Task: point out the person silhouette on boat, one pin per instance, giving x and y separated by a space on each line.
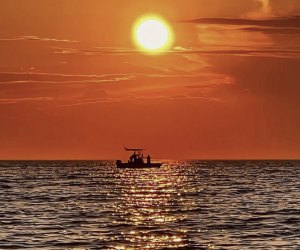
133 158
148 159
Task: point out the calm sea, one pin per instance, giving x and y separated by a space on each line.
183 205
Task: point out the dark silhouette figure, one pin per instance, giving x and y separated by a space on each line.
134 158
148 159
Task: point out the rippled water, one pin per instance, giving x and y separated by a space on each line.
183 205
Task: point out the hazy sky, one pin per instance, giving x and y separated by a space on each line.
73 85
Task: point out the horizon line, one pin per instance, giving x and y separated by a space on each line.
218 159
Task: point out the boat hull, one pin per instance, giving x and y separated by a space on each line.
138 165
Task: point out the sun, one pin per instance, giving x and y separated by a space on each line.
152 34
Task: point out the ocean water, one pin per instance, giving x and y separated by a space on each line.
183 205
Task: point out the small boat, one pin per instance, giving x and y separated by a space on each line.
136 160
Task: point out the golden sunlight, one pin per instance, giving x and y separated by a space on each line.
152 34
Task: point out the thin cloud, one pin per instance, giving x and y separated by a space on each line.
19 77
185 51
89 102
273 31
25 99
283 22
142 98
97 51
246 52
36 38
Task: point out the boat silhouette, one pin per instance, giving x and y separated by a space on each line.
137 160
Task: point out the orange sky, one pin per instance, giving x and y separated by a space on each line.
73 85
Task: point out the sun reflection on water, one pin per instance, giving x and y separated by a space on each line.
148 209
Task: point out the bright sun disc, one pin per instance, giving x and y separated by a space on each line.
153 35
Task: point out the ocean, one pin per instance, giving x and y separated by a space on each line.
183 205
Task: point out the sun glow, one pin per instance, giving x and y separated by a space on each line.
152 34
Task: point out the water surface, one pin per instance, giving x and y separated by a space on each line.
183 205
